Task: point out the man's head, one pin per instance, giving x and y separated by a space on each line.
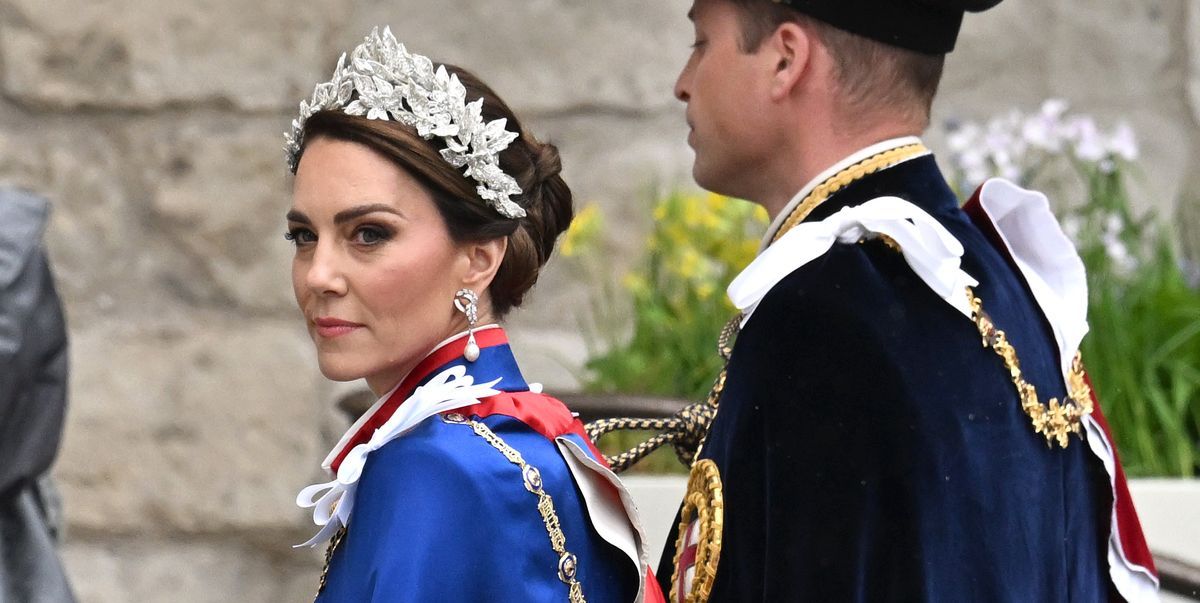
729 96
768 82
873 79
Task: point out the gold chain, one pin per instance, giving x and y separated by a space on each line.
1053 420
568 564
333 545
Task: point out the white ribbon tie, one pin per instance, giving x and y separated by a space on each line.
930 250
332 502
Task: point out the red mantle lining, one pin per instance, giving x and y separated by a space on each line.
1129 527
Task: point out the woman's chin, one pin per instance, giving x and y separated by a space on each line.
336 371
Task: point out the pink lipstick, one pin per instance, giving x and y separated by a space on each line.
330 328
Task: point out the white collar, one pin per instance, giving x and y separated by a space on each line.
850 160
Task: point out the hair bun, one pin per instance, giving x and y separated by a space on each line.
546 163
550 200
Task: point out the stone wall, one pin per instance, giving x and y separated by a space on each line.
197 411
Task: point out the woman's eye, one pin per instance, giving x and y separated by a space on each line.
300 236
371 235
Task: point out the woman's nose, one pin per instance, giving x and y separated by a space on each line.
325 275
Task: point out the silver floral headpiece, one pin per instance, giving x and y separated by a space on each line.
386 82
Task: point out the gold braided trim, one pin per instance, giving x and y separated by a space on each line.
685 430
823 191
333 545
1056 421
568 564
725 349
704 503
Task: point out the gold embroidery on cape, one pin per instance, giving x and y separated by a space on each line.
704 503
568 564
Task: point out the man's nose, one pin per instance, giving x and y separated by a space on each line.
683 83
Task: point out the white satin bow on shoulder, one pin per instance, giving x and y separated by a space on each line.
451 389
932 252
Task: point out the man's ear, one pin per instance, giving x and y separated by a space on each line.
790 47
483 260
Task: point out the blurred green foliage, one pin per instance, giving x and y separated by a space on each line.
1143 351
676 297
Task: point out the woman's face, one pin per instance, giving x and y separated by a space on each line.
375 270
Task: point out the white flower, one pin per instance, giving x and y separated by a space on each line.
1013 145
1114 225
963 138
1053 109
1124 264
1045 129
1089 144
1123 142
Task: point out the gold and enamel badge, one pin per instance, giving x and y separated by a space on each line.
698 546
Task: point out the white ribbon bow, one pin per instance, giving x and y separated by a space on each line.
449 390
932 252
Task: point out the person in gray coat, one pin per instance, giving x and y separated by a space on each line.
33 400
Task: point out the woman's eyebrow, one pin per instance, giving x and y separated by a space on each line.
347 215
298 216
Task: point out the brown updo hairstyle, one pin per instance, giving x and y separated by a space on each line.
535 166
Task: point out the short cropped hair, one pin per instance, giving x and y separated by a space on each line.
872 75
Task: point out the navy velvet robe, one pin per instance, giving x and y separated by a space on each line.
871 449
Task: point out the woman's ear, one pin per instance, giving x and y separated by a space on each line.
483 260
790 48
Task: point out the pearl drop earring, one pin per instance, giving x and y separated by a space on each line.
467 302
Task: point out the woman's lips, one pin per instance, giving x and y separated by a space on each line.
330 328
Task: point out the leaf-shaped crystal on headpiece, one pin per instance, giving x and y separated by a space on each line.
383 81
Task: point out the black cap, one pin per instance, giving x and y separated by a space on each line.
927 26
